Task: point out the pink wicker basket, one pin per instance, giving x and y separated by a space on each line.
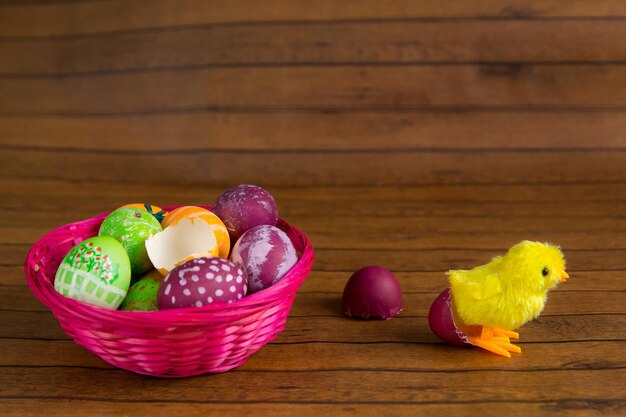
169 343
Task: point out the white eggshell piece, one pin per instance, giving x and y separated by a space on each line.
189 238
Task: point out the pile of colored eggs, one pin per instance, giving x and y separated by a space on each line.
145 259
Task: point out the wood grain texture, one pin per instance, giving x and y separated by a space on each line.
387 42
279 168
331 131
525 86
422 136
64 406
380 385
58 18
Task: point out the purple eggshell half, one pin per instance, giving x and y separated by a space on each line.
245 206
202 281
441 320
372 292
267 254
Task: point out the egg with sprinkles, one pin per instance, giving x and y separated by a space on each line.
96 271
202 281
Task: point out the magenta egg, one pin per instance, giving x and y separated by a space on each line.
202 281
441 320
245 206
372 292
267 254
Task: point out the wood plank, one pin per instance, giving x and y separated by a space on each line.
317 168
413 240
48 214
419 281
39 191
68 18
582 261
559 329
381 386
358 357
488 239
316 301
20 407
581 258
322 322
400 227
327 88
454 224
13 255
59 210
503 41
412 282
337 131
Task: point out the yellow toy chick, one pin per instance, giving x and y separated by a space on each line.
492 300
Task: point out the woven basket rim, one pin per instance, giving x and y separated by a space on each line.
44 290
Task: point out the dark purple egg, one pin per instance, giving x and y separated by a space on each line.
202 281
267 254
441 320
245 206
372 292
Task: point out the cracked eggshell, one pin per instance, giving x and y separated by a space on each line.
245 206
131 227
187 239
372 292
267 254
441 320
193 212
202 281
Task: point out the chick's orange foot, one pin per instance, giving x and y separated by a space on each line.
494 340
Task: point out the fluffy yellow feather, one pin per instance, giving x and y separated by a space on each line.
508 291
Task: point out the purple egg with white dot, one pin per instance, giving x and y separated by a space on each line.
245 206
267 254
202 281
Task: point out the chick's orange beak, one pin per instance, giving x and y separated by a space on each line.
563 276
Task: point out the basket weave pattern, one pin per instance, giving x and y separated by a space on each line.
167 343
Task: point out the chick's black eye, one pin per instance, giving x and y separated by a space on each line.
545 272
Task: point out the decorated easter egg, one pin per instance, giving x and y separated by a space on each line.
245 206
131 227
96 271
192 212
142 295
156 211
202 281
267 254
372 292
180 242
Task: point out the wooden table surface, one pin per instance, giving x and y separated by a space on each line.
418 135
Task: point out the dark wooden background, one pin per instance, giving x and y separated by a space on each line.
420 135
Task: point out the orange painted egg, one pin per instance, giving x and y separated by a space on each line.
192 212
156 211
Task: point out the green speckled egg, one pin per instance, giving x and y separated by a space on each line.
142 295
96 271
131 227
